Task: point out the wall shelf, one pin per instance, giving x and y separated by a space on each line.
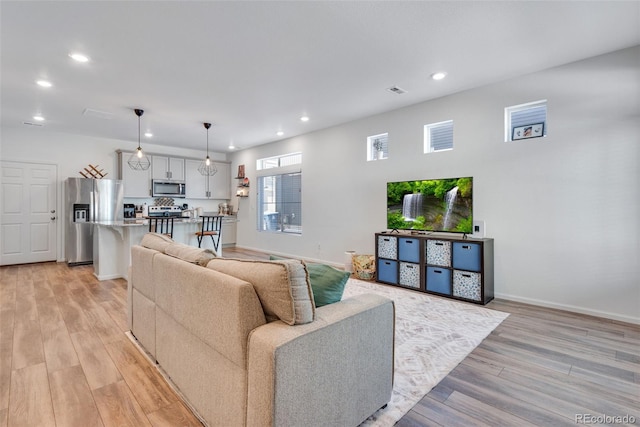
242 189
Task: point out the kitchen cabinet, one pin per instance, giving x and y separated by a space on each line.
195 182
136 184
199 186
221 182
168 168
229 225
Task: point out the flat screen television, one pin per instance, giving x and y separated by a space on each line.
431 205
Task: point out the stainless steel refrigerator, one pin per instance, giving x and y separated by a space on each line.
89 200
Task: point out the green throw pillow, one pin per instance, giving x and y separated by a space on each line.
327 283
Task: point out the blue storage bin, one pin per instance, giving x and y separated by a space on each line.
388 271
409 250
439 280
467 256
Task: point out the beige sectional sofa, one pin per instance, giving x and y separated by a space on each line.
245 345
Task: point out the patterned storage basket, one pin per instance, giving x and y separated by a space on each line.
364 266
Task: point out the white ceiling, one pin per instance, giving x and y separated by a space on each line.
253 68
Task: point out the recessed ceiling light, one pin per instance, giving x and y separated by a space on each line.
279 133
232 147
439 75
304 118
148 134
43 83
38 118
79 57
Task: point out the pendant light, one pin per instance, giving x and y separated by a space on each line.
138 160
207 168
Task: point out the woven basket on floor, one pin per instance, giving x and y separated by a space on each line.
364 266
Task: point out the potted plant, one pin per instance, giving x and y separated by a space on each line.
377 145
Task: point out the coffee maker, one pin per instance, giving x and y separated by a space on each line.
129 211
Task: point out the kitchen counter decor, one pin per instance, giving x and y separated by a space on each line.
92 172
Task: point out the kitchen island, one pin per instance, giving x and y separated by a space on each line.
112 242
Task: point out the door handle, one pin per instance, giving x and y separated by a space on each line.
53 211
53 218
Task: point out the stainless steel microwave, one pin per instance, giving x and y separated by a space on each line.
160 188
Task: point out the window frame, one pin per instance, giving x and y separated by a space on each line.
428 146
508 119
280 161
283 223
371 150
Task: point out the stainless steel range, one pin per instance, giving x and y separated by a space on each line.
174 211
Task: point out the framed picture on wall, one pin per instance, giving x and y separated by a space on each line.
529 131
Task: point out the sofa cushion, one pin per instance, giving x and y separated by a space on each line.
156 241
327 283
190 253
282 286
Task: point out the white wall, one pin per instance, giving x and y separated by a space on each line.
72 153
563 210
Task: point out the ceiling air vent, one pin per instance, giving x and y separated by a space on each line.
90 112
397 90
33 124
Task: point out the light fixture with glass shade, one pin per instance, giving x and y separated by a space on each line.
138 160
207 168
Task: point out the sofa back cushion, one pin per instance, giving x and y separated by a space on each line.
282 286
190 253
156 241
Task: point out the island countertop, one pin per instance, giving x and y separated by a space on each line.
112 241
136 222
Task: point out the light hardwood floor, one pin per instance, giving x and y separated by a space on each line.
65 361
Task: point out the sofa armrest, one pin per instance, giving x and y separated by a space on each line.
337 370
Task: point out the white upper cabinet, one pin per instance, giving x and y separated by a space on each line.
195 183
168 168
135 183
207 187
220 184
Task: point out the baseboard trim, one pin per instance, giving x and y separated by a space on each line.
571 308
515 298
109 276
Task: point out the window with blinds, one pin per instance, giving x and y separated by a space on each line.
378 147
280 203
438 136
523 115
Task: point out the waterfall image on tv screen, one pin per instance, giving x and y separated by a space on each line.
431 205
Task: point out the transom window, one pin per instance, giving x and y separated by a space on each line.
378 147
438 136
279 161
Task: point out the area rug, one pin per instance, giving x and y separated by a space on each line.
433 335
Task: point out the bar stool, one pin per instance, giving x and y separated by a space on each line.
211 226
161 225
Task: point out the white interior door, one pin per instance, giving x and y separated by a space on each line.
28 213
